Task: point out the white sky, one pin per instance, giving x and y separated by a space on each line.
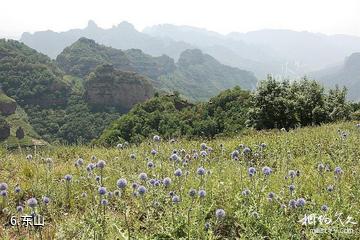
326 16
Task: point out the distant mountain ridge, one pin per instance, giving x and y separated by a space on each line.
280 52
122 36
346 74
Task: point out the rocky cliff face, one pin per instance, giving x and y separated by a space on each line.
7 105
108 87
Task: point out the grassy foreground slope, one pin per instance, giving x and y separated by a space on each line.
255 206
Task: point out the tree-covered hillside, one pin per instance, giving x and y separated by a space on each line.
274 104
196 76
199 77
54 104
29 77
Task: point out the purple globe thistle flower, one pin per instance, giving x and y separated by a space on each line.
104 202
201 171
68 177
156 138
266 171
192 192
17 189
101 164
90 167
167 181
3 193
32 202
220 213
246 150
134 185
203 153
292 203
175 199
143 176
3 186
174 157
292 187
46 200
338 171
150 164
292 174
300 202
207 226
152 181
109 194
97 178
251 171
234 154
203 146
271 195
19 209
157 183
195 156
142 190
263 145
119 146
132 156
202 193
321 167
102 190
178 172
121 183
80 162
324 208
153 152
246 192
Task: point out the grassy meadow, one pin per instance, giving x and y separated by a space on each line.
259 185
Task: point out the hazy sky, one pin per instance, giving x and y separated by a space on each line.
326 16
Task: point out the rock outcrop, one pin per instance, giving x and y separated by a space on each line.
20 134
4 129
7 105
108 87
